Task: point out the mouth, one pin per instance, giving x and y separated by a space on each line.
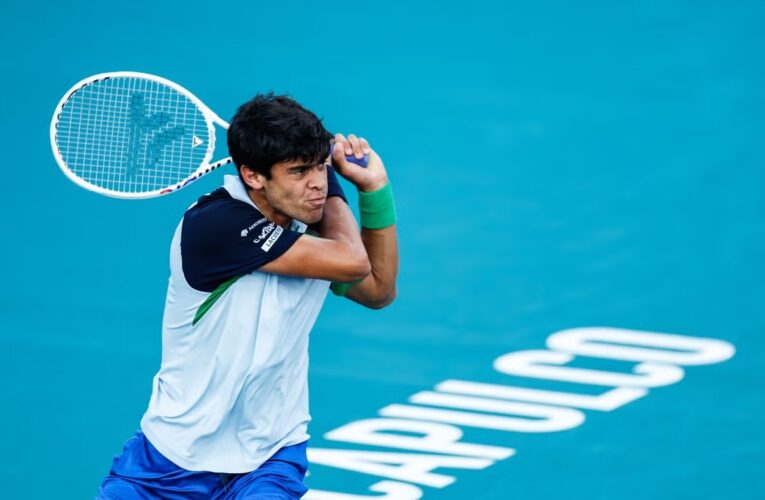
317 202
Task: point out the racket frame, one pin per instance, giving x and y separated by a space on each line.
204 168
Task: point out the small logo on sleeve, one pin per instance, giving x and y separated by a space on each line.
264 232
255 224
272 239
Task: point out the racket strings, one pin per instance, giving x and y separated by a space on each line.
132 135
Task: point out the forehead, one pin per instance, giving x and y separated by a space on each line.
299 163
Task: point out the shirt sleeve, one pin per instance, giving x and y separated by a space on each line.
333 185
227 238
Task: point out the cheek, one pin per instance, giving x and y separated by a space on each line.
285 194
292 191
297 190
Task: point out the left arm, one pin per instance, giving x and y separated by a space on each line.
378 232
378 289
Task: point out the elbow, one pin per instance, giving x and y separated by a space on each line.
381 301
352 263
358 269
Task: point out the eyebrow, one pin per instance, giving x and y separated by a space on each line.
307 165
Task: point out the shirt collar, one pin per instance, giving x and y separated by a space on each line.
233 184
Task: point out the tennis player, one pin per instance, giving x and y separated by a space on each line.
250 267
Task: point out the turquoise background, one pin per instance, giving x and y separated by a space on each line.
556 164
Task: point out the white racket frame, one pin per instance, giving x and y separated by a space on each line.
204 168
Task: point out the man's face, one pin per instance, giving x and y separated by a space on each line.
298 189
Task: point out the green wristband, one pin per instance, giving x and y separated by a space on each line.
342 288
376 208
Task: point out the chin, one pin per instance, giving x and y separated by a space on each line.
311 217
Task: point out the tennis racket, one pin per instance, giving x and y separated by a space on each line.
134 135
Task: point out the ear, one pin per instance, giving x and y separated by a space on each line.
252 178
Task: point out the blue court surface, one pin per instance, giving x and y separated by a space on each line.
556 165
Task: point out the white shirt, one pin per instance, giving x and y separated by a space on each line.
233 385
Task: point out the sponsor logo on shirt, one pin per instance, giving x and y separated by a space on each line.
255 224
270 241
264 232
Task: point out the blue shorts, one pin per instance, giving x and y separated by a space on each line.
141 472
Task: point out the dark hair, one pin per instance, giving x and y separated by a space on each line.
270 129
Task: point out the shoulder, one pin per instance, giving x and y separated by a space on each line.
217 215
222 237
219 204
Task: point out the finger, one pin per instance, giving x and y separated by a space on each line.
341 142
338 152
338 155
357 152
340 148
375 162
364 145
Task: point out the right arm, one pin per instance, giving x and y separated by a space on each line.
338 255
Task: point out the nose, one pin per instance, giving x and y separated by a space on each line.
317 179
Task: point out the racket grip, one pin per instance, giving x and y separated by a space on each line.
361 162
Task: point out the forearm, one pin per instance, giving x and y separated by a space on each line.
378 222
338 223
379 288
338 255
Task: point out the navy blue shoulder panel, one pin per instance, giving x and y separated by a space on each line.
222 237
333 185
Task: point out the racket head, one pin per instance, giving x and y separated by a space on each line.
132 135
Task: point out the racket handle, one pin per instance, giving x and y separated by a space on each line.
361 162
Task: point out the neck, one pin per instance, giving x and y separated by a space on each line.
259 199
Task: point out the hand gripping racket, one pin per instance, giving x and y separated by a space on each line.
134 135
